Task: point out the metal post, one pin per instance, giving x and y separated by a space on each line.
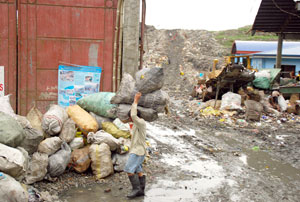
217 94
279 51
142 33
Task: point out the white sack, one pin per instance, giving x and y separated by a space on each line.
50 145
13 161
11 190
103 137
37 168
54 119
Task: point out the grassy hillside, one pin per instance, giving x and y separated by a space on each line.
227 37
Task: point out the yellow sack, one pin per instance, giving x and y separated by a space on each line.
102 165
83 119
114 131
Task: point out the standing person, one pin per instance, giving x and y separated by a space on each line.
137 152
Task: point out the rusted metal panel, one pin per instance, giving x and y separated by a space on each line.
8 47
76 32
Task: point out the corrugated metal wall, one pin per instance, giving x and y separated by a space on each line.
8 49
77 32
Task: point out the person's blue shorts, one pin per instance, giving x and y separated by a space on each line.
134 164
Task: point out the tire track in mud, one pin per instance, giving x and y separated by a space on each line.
201 166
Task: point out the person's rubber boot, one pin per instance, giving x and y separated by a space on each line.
142 185
134 180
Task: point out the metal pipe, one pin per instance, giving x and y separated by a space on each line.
142 33
119 72
117 32
279 51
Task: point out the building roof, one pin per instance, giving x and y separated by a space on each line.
278 16
286 52
251 47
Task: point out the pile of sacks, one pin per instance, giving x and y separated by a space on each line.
87 135
149 82
40 146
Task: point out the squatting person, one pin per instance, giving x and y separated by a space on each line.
137 151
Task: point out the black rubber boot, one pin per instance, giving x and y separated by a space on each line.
135 186
142 185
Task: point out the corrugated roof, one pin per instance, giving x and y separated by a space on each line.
278 16
249 47
287 52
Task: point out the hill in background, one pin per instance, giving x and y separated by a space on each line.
227 37
191 51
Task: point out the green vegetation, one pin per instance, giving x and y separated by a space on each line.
227 37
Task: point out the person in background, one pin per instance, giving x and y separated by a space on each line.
292 75
273 99
137 152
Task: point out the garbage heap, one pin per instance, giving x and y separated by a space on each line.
237 95
88 134
248 106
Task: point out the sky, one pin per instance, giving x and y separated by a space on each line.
211 15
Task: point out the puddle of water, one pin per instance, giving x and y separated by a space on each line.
208 175
263 162
204 174
186 190
90 194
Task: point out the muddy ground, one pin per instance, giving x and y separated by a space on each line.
201 159
197 158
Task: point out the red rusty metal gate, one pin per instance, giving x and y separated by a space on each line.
8 52
49 32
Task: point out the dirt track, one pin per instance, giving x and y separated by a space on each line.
196 158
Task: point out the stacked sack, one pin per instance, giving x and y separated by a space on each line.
149 82
88 134
105 135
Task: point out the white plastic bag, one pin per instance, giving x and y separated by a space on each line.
231 101
282 103
121 125
263 73
5 106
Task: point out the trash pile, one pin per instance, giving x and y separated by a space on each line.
228 92
88 134
249 105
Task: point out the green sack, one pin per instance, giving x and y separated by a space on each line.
262 82
11 132
99 103
112 129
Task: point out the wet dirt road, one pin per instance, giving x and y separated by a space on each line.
198 164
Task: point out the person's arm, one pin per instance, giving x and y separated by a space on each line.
133 112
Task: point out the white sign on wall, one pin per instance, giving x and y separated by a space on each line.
1 80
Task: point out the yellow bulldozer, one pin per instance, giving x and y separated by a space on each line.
229 60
